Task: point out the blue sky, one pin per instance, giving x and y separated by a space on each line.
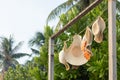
22 18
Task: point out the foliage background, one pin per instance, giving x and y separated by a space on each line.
95 69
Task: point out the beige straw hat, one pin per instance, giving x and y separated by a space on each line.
88 36
97 28
62 56
74 54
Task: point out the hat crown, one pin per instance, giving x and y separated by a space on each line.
76 40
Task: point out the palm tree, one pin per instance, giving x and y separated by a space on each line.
66 6
8 53
37 41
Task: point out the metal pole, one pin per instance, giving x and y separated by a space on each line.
51 60
112 39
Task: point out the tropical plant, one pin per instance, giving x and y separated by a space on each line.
48 31
20 73
37 41
39 65
66 6
96 68
31 70
8 53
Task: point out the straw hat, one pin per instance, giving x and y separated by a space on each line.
74 54
88 37
87 41
62 55
97 28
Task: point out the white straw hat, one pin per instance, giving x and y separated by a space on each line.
74 54
97 28
62 56
88 36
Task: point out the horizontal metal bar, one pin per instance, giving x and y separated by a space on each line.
80 15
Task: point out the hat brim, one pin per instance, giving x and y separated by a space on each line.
99 38
80 60
88 36
98 28
95 27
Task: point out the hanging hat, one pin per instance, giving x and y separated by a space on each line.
86 49
87 41
97 28
74 54
62 55
88 36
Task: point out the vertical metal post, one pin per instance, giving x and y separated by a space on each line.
51 60
112 39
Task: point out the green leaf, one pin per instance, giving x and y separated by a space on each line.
19 55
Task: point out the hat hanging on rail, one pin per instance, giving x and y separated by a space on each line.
87 41
97 28
79 52
74 55
62 56
88 36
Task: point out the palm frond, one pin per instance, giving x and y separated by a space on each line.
1 65
38 40
61 8
6 44
14 61
1 57
35 51
17 47
10 43
79 5
118 5
59 24
19 55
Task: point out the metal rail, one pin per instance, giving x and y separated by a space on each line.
80 15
